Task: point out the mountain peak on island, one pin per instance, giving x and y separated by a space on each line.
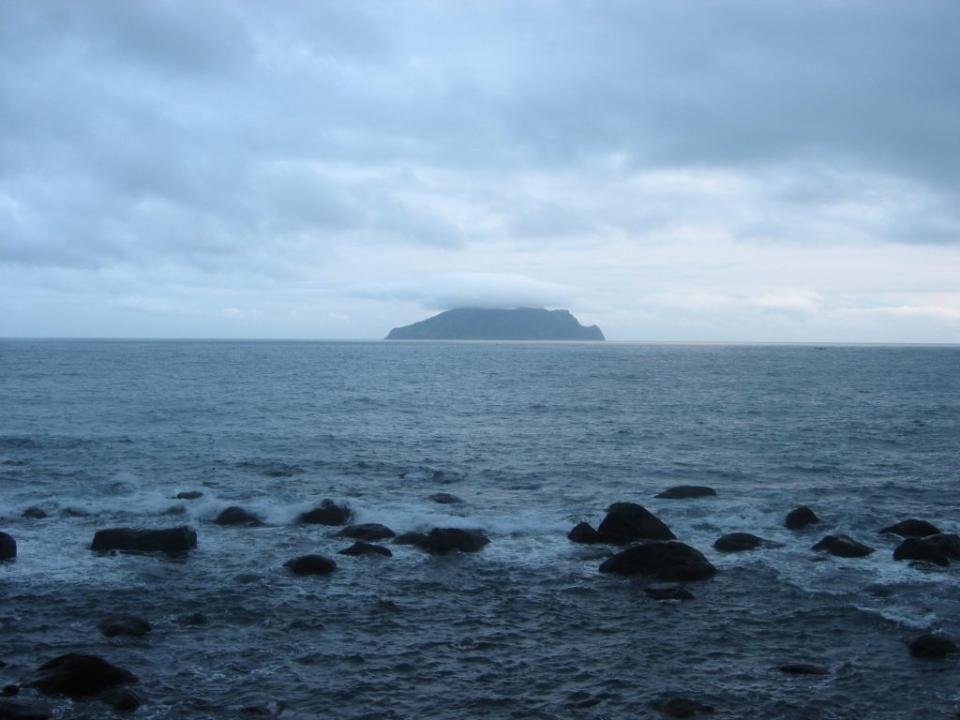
498 324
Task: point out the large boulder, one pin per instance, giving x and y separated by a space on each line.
584 533
311 565
235 515
685 492
627 522
132 625
801 517
78 676
173 541
670 561
936 549
360 548
327 513
8 547
367 531
911 528
441 541
843 546
932 645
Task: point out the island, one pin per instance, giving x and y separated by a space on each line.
498 324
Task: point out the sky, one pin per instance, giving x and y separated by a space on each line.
742 170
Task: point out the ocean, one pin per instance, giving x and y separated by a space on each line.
533 438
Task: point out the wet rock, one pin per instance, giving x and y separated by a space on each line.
235 515
441 541
445 499
680 707
189 495
410 538
668 592
194 619
843 546
34 513
800 518
327 513
8 547
10 691
803 669
363 548
78 676
584 533
670 561
367 531
932 645
173 541
311 565
911 528
24 710
686 492
935 549
122 699
124 625
737 542
626 522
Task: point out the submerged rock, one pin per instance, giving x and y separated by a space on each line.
122 699
78 675
668 592
803 669
737 542
34 513
626 522
124 625
843 546
173 541
364 548
585 534
327 513
932 645
665 560
441 541
189 495
235 515
367 531
680 707
311 565
936 549
25 710
410 538
911 528
194 619
8 547
800 518
685 492
445 499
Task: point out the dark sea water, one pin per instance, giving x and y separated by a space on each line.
534 438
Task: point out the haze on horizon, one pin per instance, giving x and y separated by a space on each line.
742 171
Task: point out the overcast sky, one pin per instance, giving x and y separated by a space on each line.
735 170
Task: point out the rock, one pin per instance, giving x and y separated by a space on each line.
911 528
78 676
24 710
194 619
10 691
122 699
445 499
34 513
328 513
74 513
800 518
668 592
803 669
173 541
311 565
124 625
626 522
843 546
932 645
923 549
679 707
189 495
441 541
584 533
685 492
234 515
737 542
364 548
670 560
8 547
367 531
410 538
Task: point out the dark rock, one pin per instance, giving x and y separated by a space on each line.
410 538
78 676
924 549
912 528
737 542
364 548
843 546
122 699
124 625
328 513
932 645
445 499
626 522
194 619
10 691
34 513
189 495
671 561
685 492
683 708
948 543
367 531
8 547
234 515
498 324
24 710
441 541
311 565
173 541
584 533
803 669
800 518
668 592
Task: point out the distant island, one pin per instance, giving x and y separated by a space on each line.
489 324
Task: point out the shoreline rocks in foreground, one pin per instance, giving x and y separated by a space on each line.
172 541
